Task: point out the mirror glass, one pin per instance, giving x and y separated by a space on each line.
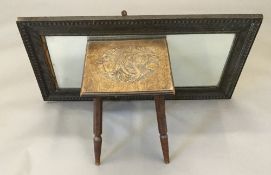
196 59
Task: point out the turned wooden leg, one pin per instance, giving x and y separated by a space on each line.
162 125
97 128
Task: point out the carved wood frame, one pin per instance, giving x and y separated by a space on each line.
245 27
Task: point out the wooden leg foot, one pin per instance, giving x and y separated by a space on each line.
97 149
97 128
162 125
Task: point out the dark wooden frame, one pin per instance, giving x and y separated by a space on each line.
245 27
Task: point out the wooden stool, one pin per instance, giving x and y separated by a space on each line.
127 67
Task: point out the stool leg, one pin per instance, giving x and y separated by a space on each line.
97 128
162 125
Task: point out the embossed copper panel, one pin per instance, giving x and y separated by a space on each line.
127 67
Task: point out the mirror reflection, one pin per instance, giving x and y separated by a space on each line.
196 59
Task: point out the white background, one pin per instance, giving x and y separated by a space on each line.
206 137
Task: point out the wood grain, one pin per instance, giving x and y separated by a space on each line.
127 67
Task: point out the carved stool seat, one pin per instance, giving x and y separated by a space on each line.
128 67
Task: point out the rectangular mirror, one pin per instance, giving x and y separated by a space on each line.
207 52
196 59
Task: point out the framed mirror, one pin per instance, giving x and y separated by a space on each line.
207 52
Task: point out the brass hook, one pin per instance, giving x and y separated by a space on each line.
123 13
